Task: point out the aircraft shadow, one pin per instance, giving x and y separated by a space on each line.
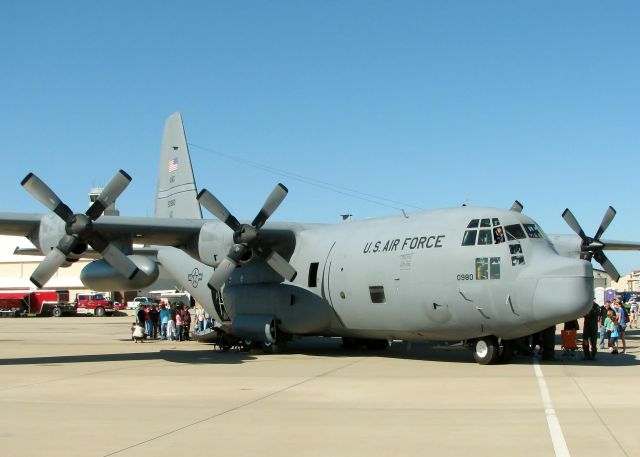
451 353
204 356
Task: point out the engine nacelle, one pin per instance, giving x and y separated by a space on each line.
52 229
99 275
214 241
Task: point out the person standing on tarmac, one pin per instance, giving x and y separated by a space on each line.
590 332
548 337
604 310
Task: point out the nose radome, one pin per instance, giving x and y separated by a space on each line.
564 291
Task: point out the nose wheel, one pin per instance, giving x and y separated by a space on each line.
486 350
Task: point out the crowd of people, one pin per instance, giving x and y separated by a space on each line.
607 325
169 321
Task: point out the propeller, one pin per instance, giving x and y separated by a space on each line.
247 237
79 228
593 247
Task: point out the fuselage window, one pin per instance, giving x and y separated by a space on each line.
517 260
494 268
377 294
514 232
498 235
482 268
532 231
313 274
485 223
484 237
487 268
473 223
469 238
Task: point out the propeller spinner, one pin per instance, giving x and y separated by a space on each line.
247 237
79 228
593 247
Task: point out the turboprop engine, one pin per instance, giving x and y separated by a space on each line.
79 231
100 275
52 228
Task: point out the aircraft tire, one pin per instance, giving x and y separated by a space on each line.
486 350
99 312
277 347
56 312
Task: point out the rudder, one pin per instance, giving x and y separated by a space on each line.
176 191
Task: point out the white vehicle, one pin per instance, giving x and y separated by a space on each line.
140 301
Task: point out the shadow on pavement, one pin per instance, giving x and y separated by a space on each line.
205 356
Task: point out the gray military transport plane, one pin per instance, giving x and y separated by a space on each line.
483 275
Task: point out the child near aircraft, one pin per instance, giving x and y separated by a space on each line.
611 325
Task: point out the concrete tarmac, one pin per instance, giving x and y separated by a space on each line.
78 386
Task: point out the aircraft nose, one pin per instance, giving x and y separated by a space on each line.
564 291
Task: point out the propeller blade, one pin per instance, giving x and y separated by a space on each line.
43 193
281 266
606 220
114 256
109 194
48 267
222 273
274 199
215 207
517 207
602 259
226 267
567 215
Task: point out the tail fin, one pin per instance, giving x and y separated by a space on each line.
176 192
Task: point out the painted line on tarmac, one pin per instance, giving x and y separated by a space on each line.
557 437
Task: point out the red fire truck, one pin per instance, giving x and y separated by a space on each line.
38 302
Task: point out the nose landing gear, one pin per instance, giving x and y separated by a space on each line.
489 351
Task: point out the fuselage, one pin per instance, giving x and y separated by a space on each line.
447 274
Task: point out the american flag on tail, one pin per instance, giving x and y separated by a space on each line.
173 164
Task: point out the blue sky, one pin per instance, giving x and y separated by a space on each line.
426 103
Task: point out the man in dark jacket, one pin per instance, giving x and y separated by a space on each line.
590 332
186 322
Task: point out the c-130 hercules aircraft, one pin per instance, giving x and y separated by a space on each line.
483 275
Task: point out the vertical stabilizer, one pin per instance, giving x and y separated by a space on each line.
176 193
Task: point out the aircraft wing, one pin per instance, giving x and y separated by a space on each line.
147 251
143 230
19 224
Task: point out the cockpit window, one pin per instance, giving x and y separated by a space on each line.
514 232
498 235
469 238
532 231
473 223
496 221
485 223
484 237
